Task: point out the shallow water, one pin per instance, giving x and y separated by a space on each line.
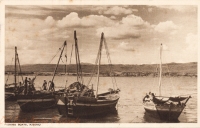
129 107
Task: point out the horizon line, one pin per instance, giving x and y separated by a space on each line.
112 64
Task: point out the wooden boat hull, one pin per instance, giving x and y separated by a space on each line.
82 109
36 102
10 93
165 112
85 109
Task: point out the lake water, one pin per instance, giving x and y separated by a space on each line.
129 107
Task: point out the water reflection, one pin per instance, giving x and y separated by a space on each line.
156 119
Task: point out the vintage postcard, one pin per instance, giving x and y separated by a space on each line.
87 63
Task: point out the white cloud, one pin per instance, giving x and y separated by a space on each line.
129 27
93 20
116 10
50 21
166 27
73 20
134 21
70 20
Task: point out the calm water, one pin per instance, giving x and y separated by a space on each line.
129 108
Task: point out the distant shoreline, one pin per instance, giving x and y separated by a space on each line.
115 75
118 70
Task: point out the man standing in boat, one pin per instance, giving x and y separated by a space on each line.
51 86
31 87
32 83
25 85
44 86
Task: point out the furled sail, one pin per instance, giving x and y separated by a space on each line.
177 99
159 99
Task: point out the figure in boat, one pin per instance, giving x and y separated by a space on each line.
164 107
44 86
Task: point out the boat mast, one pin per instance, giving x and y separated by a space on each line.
160 70
65 43
20 70
99 59
15 66
78 65
77 69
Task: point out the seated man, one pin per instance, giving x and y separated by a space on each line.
146 98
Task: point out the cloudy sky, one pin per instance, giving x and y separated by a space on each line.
133 33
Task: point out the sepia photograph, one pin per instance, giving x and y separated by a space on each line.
82 63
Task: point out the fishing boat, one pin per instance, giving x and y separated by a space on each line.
167 108
37 100
12 89
79 100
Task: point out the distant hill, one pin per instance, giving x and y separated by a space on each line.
180 68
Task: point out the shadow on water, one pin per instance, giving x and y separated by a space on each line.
13 114
45 116
107 117
156 119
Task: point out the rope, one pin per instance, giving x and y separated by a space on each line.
96 61
110 64
61 60
55 54
71 54
66 68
